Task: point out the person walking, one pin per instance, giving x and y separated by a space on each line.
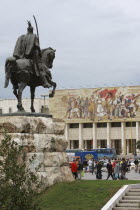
93 166
99 172
128 165
113 166
90 165
74 169
80 169
116 170
85 163
123 169
136 162
110 170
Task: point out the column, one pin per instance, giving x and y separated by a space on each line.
67 134
81 146
108 136
72 144
94 136
113 144
85 144
127 146
137 135
123 141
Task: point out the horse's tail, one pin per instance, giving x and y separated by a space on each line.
10 61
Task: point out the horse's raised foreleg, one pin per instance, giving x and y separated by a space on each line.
32 90
54 87
22 85
15 91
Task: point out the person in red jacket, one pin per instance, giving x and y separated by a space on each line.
74 169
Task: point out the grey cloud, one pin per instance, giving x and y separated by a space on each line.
96 42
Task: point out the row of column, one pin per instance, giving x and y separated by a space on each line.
123 139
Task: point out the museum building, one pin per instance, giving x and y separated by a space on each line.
100 117
94 117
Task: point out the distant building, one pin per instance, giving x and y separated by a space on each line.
10 105
100 117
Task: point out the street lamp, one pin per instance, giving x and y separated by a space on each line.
45 108
131 137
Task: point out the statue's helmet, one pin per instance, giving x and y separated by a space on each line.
30 28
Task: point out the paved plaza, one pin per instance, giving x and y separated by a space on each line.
132 175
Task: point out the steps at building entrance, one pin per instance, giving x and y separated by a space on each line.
125 208
134 190
133 194
131 197
131 200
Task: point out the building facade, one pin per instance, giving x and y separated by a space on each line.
94 118
10 105
100 118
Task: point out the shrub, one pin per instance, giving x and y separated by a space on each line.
18 184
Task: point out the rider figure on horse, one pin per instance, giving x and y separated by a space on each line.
27 47
29 66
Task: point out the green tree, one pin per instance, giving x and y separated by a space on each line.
18 184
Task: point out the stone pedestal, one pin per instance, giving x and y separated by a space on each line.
44 138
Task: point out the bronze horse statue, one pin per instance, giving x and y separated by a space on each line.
21 74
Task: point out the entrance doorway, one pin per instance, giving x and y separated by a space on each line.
131 146
117 146
103 143
88 144
74 144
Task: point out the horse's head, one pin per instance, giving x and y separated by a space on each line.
48 56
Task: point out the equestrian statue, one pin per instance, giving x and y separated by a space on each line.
29 66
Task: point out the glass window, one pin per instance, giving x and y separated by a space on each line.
74 125
101 125
73 150
116 124
88 125
129 124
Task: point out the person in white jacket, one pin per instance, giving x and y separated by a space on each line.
116 170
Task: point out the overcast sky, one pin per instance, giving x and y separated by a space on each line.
97 42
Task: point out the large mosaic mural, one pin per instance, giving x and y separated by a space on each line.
99 104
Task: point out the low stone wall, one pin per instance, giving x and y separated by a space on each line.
44 138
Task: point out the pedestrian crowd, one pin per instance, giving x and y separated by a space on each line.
116 169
